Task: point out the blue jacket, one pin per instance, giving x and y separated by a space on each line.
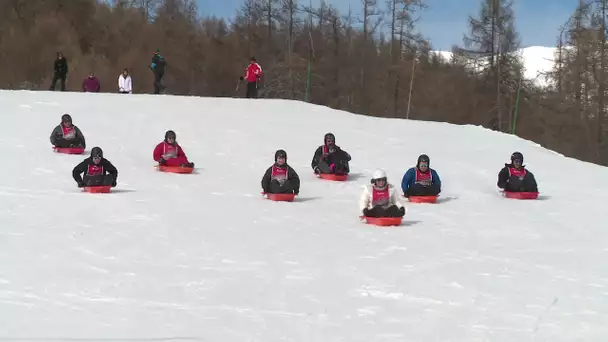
410 178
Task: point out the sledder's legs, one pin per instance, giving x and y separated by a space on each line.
421 190
378 211
277 188
528 184
340 167
178 161
63 143
99 180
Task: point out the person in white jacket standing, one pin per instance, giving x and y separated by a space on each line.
380 199
125 86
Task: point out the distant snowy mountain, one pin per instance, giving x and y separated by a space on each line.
537 59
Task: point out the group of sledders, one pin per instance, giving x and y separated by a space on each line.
380 199
99 171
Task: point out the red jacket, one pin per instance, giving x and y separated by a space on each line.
253 72
164 147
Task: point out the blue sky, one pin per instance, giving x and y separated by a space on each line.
444 22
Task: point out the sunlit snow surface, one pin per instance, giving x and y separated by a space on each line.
203 257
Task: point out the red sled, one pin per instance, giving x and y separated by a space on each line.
69 150
333 177
383 221
101 189
423 199
280 197
175 169
521 195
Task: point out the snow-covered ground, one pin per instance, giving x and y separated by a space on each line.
537 60
203 257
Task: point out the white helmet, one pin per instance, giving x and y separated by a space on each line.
379 174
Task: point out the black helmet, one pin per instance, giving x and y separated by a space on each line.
280 153
96 152
423 158
66 118
170 133
329 135
517 156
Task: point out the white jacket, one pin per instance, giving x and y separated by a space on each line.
124 84
366 198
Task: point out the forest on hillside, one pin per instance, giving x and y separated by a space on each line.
373 63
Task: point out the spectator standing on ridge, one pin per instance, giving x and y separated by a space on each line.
253 72
125 85
91 84
158 68
60 69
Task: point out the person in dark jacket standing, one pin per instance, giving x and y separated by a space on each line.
97 170
158 68
252 75
60 68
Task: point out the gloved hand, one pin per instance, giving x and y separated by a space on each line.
241 78
81 184
114 183
317 170
402 211
161 161
366 212
296 192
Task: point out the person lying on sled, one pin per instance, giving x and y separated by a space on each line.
421 180
330 158
281 178
169 153
514 177
97 170
67 135
380 199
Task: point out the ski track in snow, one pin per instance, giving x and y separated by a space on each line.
205 257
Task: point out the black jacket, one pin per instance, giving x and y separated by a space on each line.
331 157
57 133
513 183
292 177
158 63
83 167
61 67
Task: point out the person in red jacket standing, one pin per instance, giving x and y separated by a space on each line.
253 72
169 153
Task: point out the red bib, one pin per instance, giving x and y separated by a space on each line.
380 197
169 151
94 170
521 173
279 174
424 178
68 132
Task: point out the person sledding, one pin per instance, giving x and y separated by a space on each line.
281 178
329 158
421 180
170 153
380 199
514 177
67 135
97 170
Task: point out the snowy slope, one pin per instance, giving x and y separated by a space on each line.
537 60
202 257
